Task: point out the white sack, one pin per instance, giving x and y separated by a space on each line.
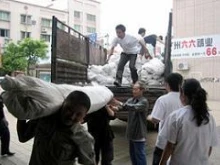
154 66
31 98
147 70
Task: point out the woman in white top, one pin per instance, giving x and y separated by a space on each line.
191 130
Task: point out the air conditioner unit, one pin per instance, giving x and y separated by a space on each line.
43 30
183 66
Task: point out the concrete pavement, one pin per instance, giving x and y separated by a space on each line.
23 151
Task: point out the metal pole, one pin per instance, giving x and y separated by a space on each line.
53 50
168 63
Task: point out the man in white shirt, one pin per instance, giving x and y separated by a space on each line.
163 107
129 44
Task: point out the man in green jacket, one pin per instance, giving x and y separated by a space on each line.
137 124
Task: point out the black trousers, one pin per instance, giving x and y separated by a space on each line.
5 137
157 156
122 62
106 151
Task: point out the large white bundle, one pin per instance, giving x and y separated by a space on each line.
154 66
110 69
153 82
31 98
114 59
97 69
147 70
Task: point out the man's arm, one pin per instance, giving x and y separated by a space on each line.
159 40
210 151
152 119
26 130
85 145
111 50
113 45
111 111
144 48
145 51
138 107
110 53
166 153
158 112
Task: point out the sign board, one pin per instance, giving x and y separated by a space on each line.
196 47
93 37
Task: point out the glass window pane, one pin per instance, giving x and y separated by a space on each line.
45 37
4 33
4 15
91 29
77 28
46 22
91 17
77 14
25 19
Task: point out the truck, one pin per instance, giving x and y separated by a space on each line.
72 53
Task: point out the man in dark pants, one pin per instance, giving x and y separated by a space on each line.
4 132
130 46
99 127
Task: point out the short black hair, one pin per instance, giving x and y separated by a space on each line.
141 30
73 105
160 37
174 80
77 98
120 27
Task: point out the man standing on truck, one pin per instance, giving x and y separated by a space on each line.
163 107
153 39
141 33
137 124
130 48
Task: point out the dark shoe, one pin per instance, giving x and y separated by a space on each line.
8 154
117 83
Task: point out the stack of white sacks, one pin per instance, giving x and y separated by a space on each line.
150 71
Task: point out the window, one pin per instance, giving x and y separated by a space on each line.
77 28
25 19
45 37
4 15
91 29
77 14
25 34
4 33
91 17
46 22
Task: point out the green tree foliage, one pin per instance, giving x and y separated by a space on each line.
22 55
12 59
33 50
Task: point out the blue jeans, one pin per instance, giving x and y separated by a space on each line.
137 153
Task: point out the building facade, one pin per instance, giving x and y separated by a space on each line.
84 16
194 18
19 20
